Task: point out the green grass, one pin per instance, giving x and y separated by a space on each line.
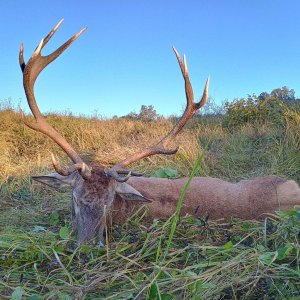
242 260
182 258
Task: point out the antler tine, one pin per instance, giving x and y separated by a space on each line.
114 174
51 33
39 62
85 171
188 87
31 70
191 108
21 57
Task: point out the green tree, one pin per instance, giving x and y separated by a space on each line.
148 113
283 94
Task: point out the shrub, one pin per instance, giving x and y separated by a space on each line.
254 110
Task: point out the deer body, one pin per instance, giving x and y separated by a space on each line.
206 196
247 199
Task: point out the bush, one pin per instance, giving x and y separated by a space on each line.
254 110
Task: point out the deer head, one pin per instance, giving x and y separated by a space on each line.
94 187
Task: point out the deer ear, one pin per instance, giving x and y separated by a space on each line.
56 181
127 192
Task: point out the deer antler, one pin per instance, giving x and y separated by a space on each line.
31 70
191 108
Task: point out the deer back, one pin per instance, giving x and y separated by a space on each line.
247 199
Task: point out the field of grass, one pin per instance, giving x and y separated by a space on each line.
39 258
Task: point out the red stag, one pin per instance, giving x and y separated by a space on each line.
98 192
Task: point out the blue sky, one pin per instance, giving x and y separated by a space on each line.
125 58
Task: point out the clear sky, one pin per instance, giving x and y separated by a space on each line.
125 58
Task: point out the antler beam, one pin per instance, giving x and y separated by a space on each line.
31 70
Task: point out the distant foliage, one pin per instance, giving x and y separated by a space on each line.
211 108
253 110
284 94
147 113
271 108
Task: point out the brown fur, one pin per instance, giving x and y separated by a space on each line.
91 199
97 184
247 199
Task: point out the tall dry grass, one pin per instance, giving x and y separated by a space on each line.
252 150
